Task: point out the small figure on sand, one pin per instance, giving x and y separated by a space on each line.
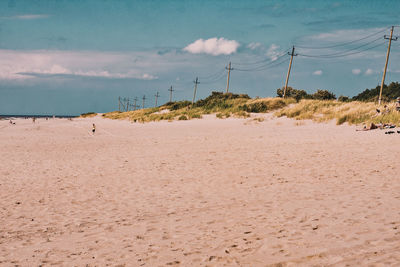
33 119
398 104
94 128
11 122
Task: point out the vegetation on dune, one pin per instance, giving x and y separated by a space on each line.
388 93
320 106
223 105
354 112
301 94
88 115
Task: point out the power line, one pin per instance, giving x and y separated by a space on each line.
342 44
341 53
261 61
263 67
218 78
212 75
348 54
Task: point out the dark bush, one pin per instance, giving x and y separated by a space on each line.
177 105
389 93
218 100
323 95
257 107
182 118
344 99
295 93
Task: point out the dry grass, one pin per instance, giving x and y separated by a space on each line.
238 107
316 110
350 112
88 115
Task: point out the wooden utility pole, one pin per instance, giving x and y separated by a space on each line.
144 98
229 73
121 104
134 105
196 82
156 95
288 73
386 63
170 93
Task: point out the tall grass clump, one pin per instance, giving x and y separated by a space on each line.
355 112
88 115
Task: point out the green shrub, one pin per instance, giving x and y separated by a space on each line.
88 115
182 118
177 105
323 95
344 99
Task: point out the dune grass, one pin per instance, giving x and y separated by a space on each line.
351 112
223 105
88 115
232 105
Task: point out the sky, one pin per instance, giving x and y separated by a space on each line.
67 57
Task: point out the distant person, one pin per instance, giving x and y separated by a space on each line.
398 104
94 128
386 109
33 119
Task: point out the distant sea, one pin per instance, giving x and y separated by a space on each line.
3 117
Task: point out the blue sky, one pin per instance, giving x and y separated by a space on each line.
70 57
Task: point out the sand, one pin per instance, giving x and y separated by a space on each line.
207 192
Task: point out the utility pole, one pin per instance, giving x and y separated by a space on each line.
387 61
156 95
123 103
144 98
288 73
134 105
196 82
170 94
229 73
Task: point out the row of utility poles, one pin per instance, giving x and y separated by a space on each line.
126 106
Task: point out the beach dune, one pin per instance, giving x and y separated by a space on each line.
209 192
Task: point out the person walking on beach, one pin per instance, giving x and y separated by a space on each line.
93 128
398 104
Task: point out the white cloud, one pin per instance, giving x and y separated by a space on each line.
273 52
213 46
22 65
356 71
317 72
28 16
253 46
369 72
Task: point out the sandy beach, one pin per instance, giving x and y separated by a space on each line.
207 192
